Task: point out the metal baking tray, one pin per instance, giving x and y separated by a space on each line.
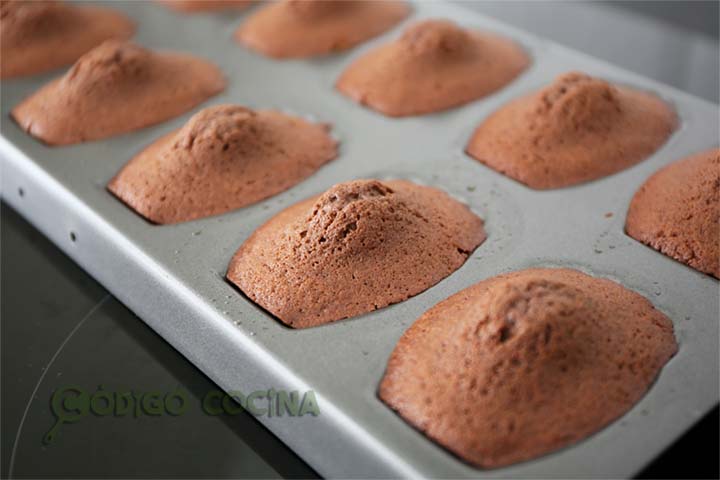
173 276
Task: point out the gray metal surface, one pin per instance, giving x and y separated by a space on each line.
172 276
632 34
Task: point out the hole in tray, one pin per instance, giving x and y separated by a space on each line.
21 192
73 237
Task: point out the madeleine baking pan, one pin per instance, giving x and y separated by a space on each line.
173 276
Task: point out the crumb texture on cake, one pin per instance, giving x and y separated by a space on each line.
577 129
525 363
115 88
38 36
358 247
307 28
194 6
225 157
677 212
433 66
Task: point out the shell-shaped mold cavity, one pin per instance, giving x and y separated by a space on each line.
358 247
435 65
308 28
38 36
578 129
115 88
525 363
226 157
677 212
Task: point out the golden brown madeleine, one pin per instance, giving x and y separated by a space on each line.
578 129
309 28
224 158
201 6
677 212
116 88
433 66
526 363
360 246
38 36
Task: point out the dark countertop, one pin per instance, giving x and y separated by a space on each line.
61 329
